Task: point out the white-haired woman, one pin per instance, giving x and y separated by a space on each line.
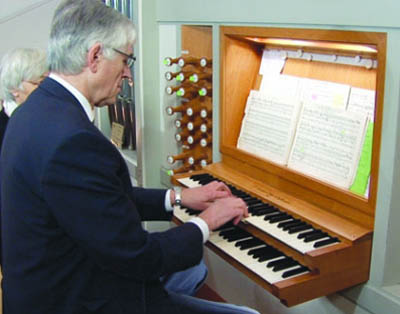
21 71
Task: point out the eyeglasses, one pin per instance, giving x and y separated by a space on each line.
130 58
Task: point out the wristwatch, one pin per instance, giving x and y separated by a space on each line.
178 195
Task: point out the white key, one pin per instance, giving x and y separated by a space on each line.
284 236
189 182
248 261
181 214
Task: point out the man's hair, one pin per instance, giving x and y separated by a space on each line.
79 24
19 65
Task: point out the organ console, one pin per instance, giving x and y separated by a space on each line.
304 238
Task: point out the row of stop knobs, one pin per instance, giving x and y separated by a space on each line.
193 90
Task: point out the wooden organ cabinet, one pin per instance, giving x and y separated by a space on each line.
192 86
289 201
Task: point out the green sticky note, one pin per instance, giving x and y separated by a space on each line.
360 183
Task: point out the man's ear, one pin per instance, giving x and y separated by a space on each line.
15 93
93 57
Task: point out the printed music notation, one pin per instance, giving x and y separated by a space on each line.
311 128
269 126
327 144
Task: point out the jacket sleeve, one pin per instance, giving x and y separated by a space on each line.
84 187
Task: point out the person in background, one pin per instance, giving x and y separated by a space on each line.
73 240
21 71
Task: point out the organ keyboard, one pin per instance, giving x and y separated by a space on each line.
264 260
319 253
294 232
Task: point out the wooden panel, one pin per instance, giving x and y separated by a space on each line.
197 40
240 68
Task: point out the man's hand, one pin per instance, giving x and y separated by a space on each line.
202 197
224 210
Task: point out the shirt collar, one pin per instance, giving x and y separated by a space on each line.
78 95
9 107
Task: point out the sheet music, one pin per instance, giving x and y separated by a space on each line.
325 93
271 63
282 86
327 144
269 125
362 100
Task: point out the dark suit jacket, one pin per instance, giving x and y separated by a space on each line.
3 124
72 235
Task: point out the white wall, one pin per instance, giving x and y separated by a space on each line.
25 23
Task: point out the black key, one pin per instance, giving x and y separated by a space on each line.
269 217
295 271
276 262
199 176
325 242
288 223
206 180
315 236
252 201
240 194
238 236
284 264
258 251
246 244
266 211
289 226
228 233
233 235
281 218
228 225
308 233
260 205
303 227
271 253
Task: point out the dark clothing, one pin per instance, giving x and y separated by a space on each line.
73 242
3 123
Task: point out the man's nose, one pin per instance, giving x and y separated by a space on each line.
127 73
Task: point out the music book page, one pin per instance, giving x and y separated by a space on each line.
325 93
271 63
327 144
363 100
269 124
